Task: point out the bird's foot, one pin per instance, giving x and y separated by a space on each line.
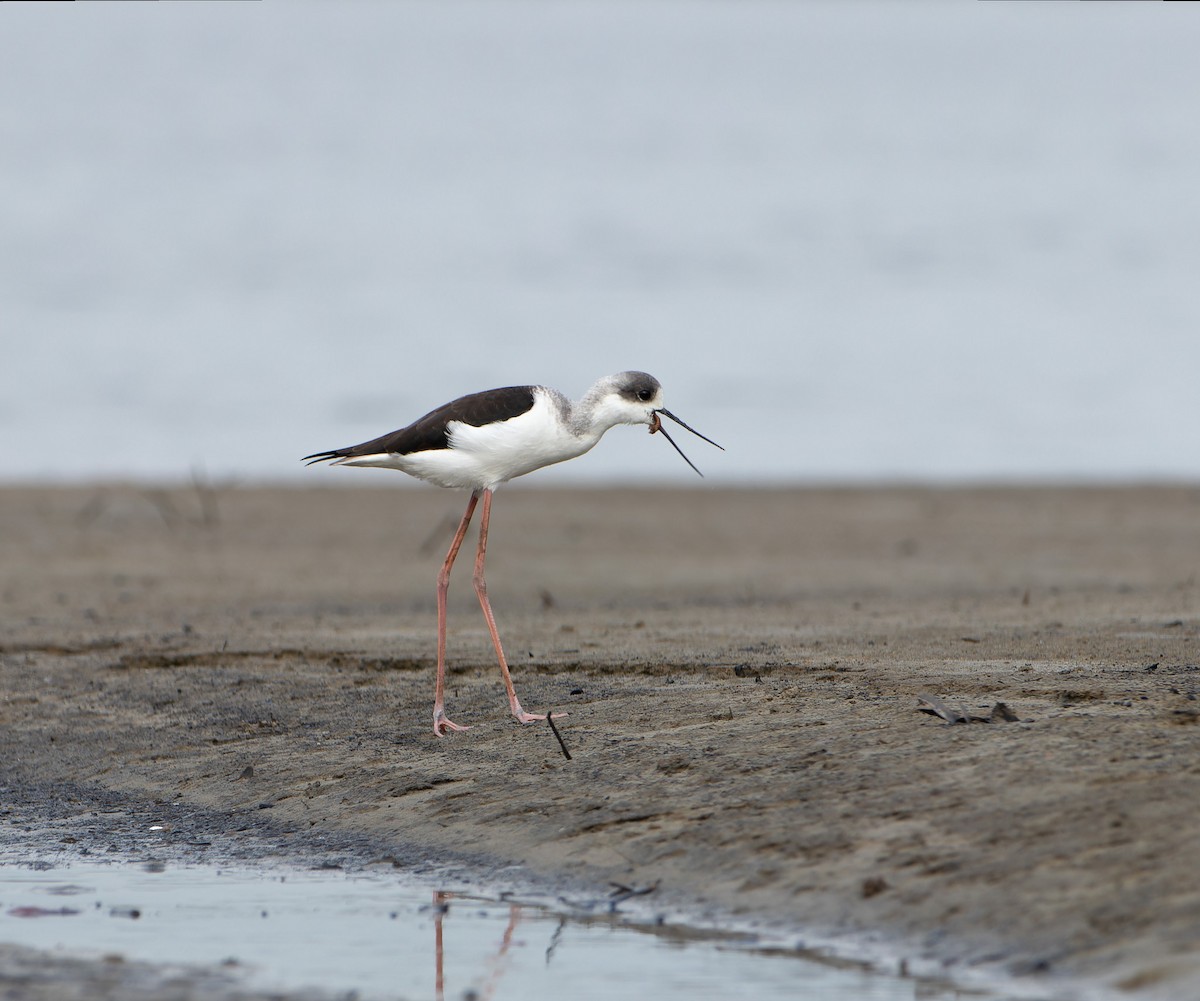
521 716
442 725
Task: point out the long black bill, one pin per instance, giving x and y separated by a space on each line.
657 426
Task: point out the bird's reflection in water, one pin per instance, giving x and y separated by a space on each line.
495 964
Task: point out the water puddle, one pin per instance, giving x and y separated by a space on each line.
379 937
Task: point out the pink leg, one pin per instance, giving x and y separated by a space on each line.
481 589
440 723
439 909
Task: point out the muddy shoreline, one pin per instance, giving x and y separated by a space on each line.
742 670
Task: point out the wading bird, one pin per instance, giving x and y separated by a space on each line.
478 442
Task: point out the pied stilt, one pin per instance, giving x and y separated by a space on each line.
478 442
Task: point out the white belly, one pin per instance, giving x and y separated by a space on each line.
483 457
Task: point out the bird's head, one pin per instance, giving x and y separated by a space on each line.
631 397
637 398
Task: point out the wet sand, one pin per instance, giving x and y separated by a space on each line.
743 672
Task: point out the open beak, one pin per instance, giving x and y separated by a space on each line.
656 426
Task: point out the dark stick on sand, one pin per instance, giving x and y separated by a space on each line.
554 730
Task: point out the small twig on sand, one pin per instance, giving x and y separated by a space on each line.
934 706
621 893
554 730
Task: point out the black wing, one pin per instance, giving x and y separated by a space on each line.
430 432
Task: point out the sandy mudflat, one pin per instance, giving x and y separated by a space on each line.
741 669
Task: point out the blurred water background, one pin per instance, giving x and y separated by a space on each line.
856 241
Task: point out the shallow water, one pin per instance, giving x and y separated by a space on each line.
381 937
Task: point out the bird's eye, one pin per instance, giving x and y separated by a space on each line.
645 395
